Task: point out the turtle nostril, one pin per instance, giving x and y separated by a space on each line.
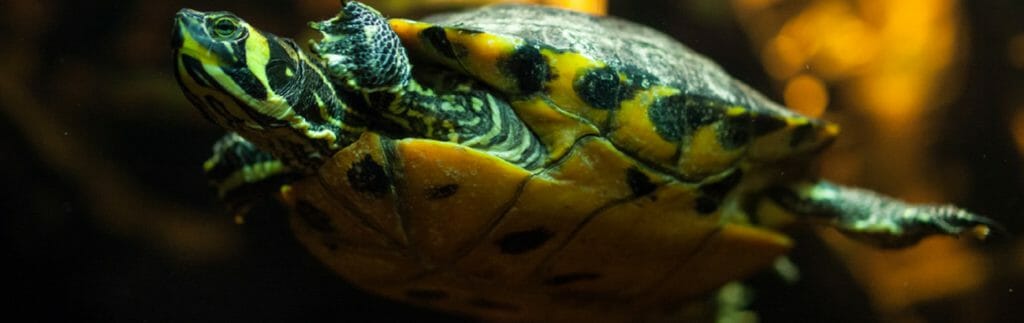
182 20
186 13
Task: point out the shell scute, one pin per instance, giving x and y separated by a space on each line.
362 181
556 201
480 187
661 103
631 246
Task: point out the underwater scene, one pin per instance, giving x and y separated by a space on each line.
514 161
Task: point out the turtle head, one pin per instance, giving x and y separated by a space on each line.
361 51
261 86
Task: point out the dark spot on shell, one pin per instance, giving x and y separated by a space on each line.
426 294
678 116
706 205
638 182
600 88
528 67
637 79
764 124
367 176
801 134
524 241
443 191
314 217
492 305
666 115
734 132
570 278
437 38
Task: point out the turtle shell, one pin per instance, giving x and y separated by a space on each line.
571 75
636 211
450 227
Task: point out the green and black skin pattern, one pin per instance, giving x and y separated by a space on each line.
287 107
243 174
362 54
443 105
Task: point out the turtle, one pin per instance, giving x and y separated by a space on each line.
521 163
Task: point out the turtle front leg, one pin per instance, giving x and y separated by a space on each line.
362 54
359 48
243 174
877 219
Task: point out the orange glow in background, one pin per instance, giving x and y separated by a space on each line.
889 64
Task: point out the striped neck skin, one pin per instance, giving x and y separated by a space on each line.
262 87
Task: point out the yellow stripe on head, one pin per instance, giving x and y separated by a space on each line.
260 86
212 54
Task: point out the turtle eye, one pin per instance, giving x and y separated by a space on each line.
225 27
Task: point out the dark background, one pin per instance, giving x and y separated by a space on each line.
107 217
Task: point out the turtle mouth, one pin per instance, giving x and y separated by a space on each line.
185 21
190 36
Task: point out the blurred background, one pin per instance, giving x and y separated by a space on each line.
107 217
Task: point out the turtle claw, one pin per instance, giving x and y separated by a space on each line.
955 221
910 223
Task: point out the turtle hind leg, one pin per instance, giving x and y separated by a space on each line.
874 218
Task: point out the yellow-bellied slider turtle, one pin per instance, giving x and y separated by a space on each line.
519 162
